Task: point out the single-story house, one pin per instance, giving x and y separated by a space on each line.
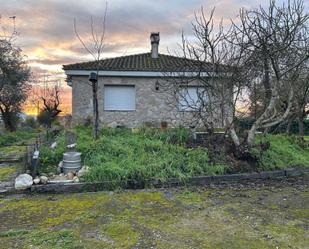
129 89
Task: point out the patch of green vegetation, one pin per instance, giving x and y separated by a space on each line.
284 151
12 149
12 152
14 233
300 213
189 197
140 155
287 235
6 172
68 209
62 239
121 234
20 136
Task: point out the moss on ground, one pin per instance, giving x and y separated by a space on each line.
12 152
187 218
6 172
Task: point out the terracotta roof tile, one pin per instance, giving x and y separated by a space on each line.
143 62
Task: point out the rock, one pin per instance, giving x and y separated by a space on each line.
83 171
113 124
53 145
60 165
36 180
70 175
61 174
75 179
43 179
23 181
59 170
59 178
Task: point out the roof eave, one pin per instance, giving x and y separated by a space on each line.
157 74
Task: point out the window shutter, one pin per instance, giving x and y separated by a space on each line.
119 98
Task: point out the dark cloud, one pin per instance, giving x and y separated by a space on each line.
47 35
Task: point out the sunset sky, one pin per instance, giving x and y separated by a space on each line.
47 38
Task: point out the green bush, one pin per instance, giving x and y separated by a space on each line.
284 151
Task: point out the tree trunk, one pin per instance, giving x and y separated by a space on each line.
95 110
8 121
264 121
234 137
288 127
301 130
266 130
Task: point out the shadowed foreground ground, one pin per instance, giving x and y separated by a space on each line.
271 214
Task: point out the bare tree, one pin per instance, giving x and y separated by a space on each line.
46 97
51 105
202 90
273 39
212 64
263 49
95 48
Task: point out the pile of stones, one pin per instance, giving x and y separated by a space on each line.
25 181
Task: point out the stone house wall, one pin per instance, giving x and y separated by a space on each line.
152 107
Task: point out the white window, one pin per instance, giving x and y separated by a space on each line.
191 98
119 98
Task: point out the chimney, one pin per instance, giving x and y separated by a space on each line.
155 39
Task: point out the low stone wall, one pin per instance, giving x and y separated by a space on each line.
193 181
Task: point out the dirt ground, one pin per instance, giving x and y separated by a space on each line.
264 214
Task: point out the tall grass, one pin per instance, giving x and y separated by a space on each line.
284 151
139 156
